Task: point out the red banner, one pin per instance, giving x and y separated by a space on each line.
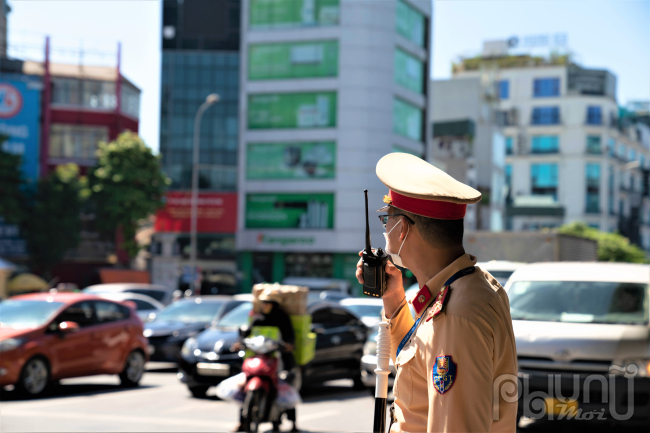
216 213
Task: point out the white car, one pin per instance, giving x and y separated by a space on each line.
145 306
583 338
162 294
501 269
367 309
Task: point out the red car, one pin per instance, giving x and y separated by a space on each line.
46 337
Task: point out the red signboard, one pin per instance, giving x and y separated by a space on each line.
216 213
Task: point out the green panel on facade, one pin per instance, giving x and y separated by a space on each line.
409 71
310 160
267 14
290 211
245 266
345 267
410 23
292 110
407 120
278 267
293 60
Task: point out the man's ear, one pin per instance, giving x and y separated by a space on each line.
406 229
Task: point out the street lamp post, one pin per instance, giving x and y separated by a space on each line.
209 100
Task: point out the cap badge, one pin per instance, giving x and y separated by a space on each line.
388 200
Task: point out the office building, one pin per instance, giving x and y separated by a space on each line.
470 145
328 87
571 153
200 56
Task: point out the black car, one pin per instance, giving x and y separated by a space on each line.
181 320
208 359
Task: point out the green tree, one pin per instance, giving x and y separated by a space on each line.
127 186
53 222
12 200
612 247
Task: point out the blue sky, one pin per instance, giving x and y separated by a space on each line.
613 34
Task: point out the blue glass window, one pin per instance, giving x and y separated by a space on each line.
632 155
508 173
544 179
642 161
611 147
594 115
593 175
610 190
545 144
621 150
593 144
545 87
509 146
546 115
504 89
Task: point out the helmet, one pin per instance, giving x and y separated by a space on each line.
270 295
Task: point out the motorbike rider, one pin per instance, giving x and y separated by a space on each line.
272 315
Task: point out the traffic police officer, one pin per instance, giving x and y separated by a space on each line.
456 361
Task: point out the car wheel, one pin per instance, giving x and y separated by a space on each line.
198 391
34 377
133 369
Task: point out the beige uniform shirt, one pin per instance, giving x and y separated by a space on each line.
474 332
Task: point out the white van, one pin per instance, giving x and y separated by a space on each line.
583 339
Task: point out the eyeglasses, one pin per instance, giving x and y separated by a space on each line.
384 218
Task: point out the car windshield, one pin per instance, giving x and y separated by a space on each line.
22 314
579 302
501 274
190 311
158 295
237 317
366 310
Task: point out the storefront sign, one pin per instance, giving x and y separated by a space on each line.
216 213
315 160
293 60
292 110
266 239
286 211
265 14
19 115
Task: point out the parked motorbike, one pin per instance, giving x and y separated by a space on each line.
261 388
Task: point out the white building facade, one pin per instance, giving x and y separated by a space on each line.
571 153
328 87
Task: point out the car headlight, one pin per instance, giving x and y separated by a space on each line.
10 344
147 333
634 367
190 345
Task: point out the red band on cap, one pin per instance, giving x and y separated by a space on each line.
442 210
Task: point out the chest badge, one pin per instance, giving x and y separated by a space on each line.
444 373
441 300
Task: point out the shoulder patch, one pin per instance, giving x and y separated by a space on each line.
441 301
444 373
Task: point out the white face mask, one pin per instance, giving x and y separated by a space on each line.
397 260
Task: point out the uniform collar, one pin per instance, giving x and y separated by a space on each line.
424 297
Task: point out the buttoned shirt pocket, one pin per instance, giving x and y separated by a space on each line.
403 388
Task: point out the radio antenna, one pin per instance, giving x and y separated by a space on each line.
368 248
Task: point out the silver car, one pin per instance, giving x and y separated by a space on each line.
583 340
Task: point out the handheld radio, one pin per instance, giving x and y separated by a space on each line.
374 262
